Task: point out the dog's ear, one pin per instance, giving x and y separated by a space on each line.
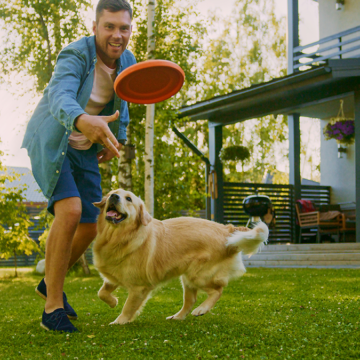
145 217
101 204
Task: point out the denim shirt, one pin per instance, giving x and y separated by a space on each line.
64 99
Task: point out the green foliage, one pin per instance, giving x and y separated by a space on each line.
249 48
36 31
287 313
178 173
227 63
14 238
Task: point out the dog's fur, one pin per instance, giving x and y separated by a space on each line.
140 252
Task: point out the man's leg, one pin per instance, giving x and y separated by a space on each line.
85 234
58 249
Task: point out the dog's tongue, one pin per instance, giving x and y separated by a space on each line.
111 213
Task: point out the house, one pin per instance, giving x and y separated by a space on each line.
316 82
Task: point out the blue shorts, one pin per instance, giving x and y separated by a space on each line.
79 177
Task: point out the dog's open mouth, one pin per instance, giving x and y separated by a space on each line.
113 215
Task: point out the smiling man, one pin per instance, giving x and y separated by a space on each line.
79 123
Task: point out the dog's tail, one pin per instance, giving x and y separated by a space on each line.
249 242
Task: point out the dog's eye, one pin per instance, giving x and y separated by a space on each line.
129 199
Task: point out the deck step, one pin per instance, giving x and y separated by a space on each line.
306 247
324 264
305 257
310 252
329 255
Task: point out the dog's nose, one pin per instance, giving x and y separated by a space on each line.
115 198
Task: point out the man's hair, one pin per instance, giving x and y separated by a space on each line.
112 6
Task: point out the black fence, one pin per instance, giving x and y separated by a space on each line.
282 197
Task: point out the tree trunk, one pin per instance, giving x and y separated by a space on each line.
16 274
84 264
149 127
105 171
124 170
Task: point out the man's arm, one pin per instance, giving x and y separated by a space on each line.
64 86
63 90
96 129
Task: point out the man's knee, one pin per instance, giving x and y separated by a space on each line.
69 209
89 229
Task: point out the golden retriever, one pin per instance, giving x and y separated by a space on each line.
137 252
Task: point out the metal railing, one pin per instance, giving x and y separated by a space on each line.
335 46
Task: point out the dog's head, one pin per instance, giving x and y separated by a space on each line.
120 207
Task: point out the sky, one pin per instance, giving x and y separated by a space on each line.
17 106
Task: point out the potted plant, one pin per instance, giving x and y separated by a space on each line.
340 128
234 153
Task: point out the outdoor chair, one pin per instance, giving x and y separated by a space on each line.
349 218
324 222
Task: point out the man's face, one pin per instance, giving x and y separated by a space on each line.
112 35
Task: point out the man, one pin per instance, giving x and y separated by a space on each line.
78 116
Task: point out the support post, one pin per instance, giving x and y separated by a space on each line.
294 163
215 145
357 161
292 32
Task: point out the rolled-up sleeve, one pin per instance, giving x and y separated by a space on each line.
64 86
124 120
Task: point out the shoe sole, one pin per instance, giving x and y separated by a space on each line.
44 298
47 329
44 327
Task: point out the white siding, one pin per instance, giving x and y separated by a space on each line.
332 21
335 172
338 173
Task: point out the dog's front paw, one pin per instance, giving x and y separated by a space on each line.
120 321
200 311
176 317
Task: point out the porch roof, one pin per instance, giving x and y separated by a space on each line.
311 93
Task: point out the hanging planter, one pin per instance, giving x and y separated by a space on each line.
340 128
234 153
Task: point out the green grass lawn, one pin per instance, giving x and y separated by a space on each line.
266 314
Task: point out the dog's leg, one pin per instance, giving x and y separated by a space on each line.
213 296
106 296
189 301
136 299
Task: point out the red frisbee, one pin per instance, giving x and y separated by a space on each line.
149 82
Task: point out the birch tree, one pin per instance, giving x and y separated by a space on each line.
150 113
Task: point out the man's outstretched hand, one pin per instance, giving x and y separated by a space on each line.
97 130
106 154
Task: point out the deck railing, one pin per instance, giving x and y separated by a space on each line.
282 197
332 47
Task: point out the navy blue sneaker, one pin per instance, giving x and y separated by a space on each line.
57 321
41 291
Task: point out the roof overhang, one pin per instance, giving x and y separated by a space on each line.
311 93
